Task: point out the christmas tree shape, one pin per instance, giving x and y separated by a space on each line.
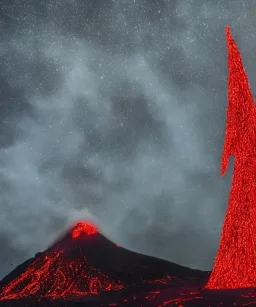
235 262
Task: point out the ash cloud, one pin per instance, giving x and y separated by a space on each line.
115 112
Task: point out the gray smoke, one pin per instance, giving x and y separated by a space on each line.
114 111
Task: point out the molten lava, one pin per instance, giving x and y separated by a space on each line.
235 263
58 275
83 228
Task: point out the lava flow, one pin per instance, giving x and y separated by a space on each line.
235 263
56 275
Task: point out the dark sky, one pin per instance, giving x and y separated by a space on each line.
115 111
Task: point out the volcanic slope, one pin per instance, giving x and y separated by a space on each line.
86 269
85 263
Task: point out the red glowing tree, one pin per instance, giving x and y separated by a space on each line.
235 262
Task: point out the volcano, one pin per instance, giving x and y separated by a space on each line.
84 268
85 264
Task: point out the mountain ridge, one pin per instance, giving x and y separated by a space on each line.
83 262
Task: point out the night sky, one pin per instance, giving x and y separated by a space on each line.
115 111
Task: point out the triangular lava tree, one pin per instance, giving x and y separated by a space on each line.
235 262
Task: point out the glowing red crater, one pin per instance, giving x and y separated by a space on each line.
83 228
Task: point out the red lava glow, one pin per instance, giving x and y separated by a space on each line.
83 228
235 262
56 276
